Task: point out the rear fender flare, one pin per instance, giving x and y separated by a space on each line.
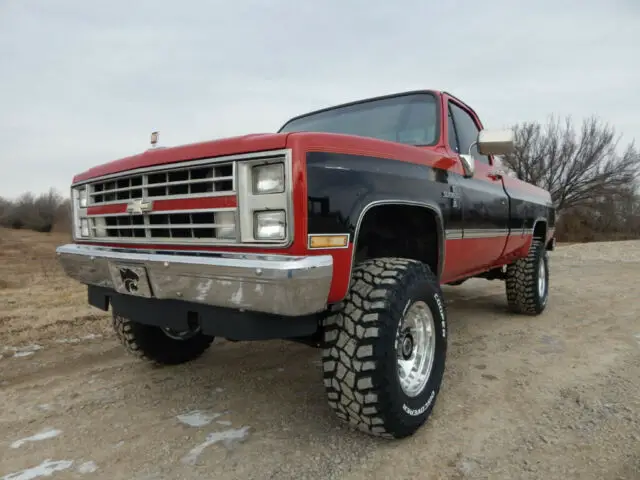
527 246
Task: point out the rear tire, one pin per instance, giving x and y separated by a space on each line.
527 281
153 344
366 347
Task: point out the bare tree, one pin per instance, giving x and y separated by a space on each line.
22 214
46 208
62 221
575 168
5 206
39 213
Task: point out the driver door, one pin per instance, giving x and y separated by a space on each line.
485 204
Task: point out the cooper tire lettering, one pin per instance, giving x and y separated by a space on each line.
443 325
422 409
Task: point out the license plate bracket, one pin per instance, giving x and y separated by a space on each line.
130 279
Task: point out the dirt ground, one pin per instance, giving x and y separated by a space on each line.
553 397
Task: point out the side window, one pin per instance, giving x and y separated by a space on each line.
453 137
467 132
417 123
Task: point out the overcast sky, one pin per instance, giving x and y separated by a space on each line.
85 82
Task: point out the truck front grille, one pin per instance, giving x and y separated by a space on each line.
184 225
175 183
204 202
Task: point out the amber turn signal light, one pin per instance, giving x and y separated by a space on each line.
328 241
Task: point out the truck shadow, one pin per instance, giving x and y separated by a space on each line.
275 388
282 380
465 299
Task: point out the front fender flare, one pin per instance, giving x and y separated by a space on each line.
364 206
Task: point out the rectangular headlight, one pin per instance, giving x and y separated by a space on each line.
268 178
79 228
83 197
269 225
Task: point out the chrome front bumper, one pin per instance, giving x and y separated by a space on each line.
277 284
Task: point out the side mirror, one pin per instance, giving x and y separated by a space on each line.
495 142
468 165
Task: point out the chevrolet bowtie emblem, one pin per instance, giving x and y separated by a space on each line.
139 206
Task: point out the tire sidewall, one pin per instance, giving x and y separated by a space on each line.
411 411
542 256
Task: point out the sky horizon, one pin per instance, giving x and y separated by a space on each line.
86 84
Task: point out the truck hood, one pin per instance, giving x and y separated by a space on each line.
193 151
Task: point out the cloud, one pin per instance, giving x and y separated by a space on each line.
86 82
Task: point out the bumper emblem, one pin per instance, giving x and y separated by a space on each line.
130 280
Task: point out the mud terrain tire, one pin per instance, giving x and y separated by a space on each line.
150 343
362 341
526 293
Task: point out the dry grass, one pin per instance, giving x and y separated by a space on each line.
38 302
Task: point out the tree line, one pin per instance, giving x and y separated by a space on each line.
43 213
593 182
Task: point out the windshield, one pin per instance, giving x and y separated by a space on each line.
412 119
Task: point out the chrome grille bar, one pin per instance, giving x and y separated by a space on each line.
212 224
201 181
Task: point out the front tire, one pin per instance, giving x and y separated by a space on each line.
157 345
384 349
527 282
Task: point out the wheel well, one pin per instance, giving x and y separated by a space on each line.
408 231
540 230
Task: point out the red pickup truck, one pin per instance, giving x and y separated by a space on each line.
337 231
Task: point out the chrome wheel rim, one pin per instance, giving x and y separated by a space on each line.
415 348
542 279
179 335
